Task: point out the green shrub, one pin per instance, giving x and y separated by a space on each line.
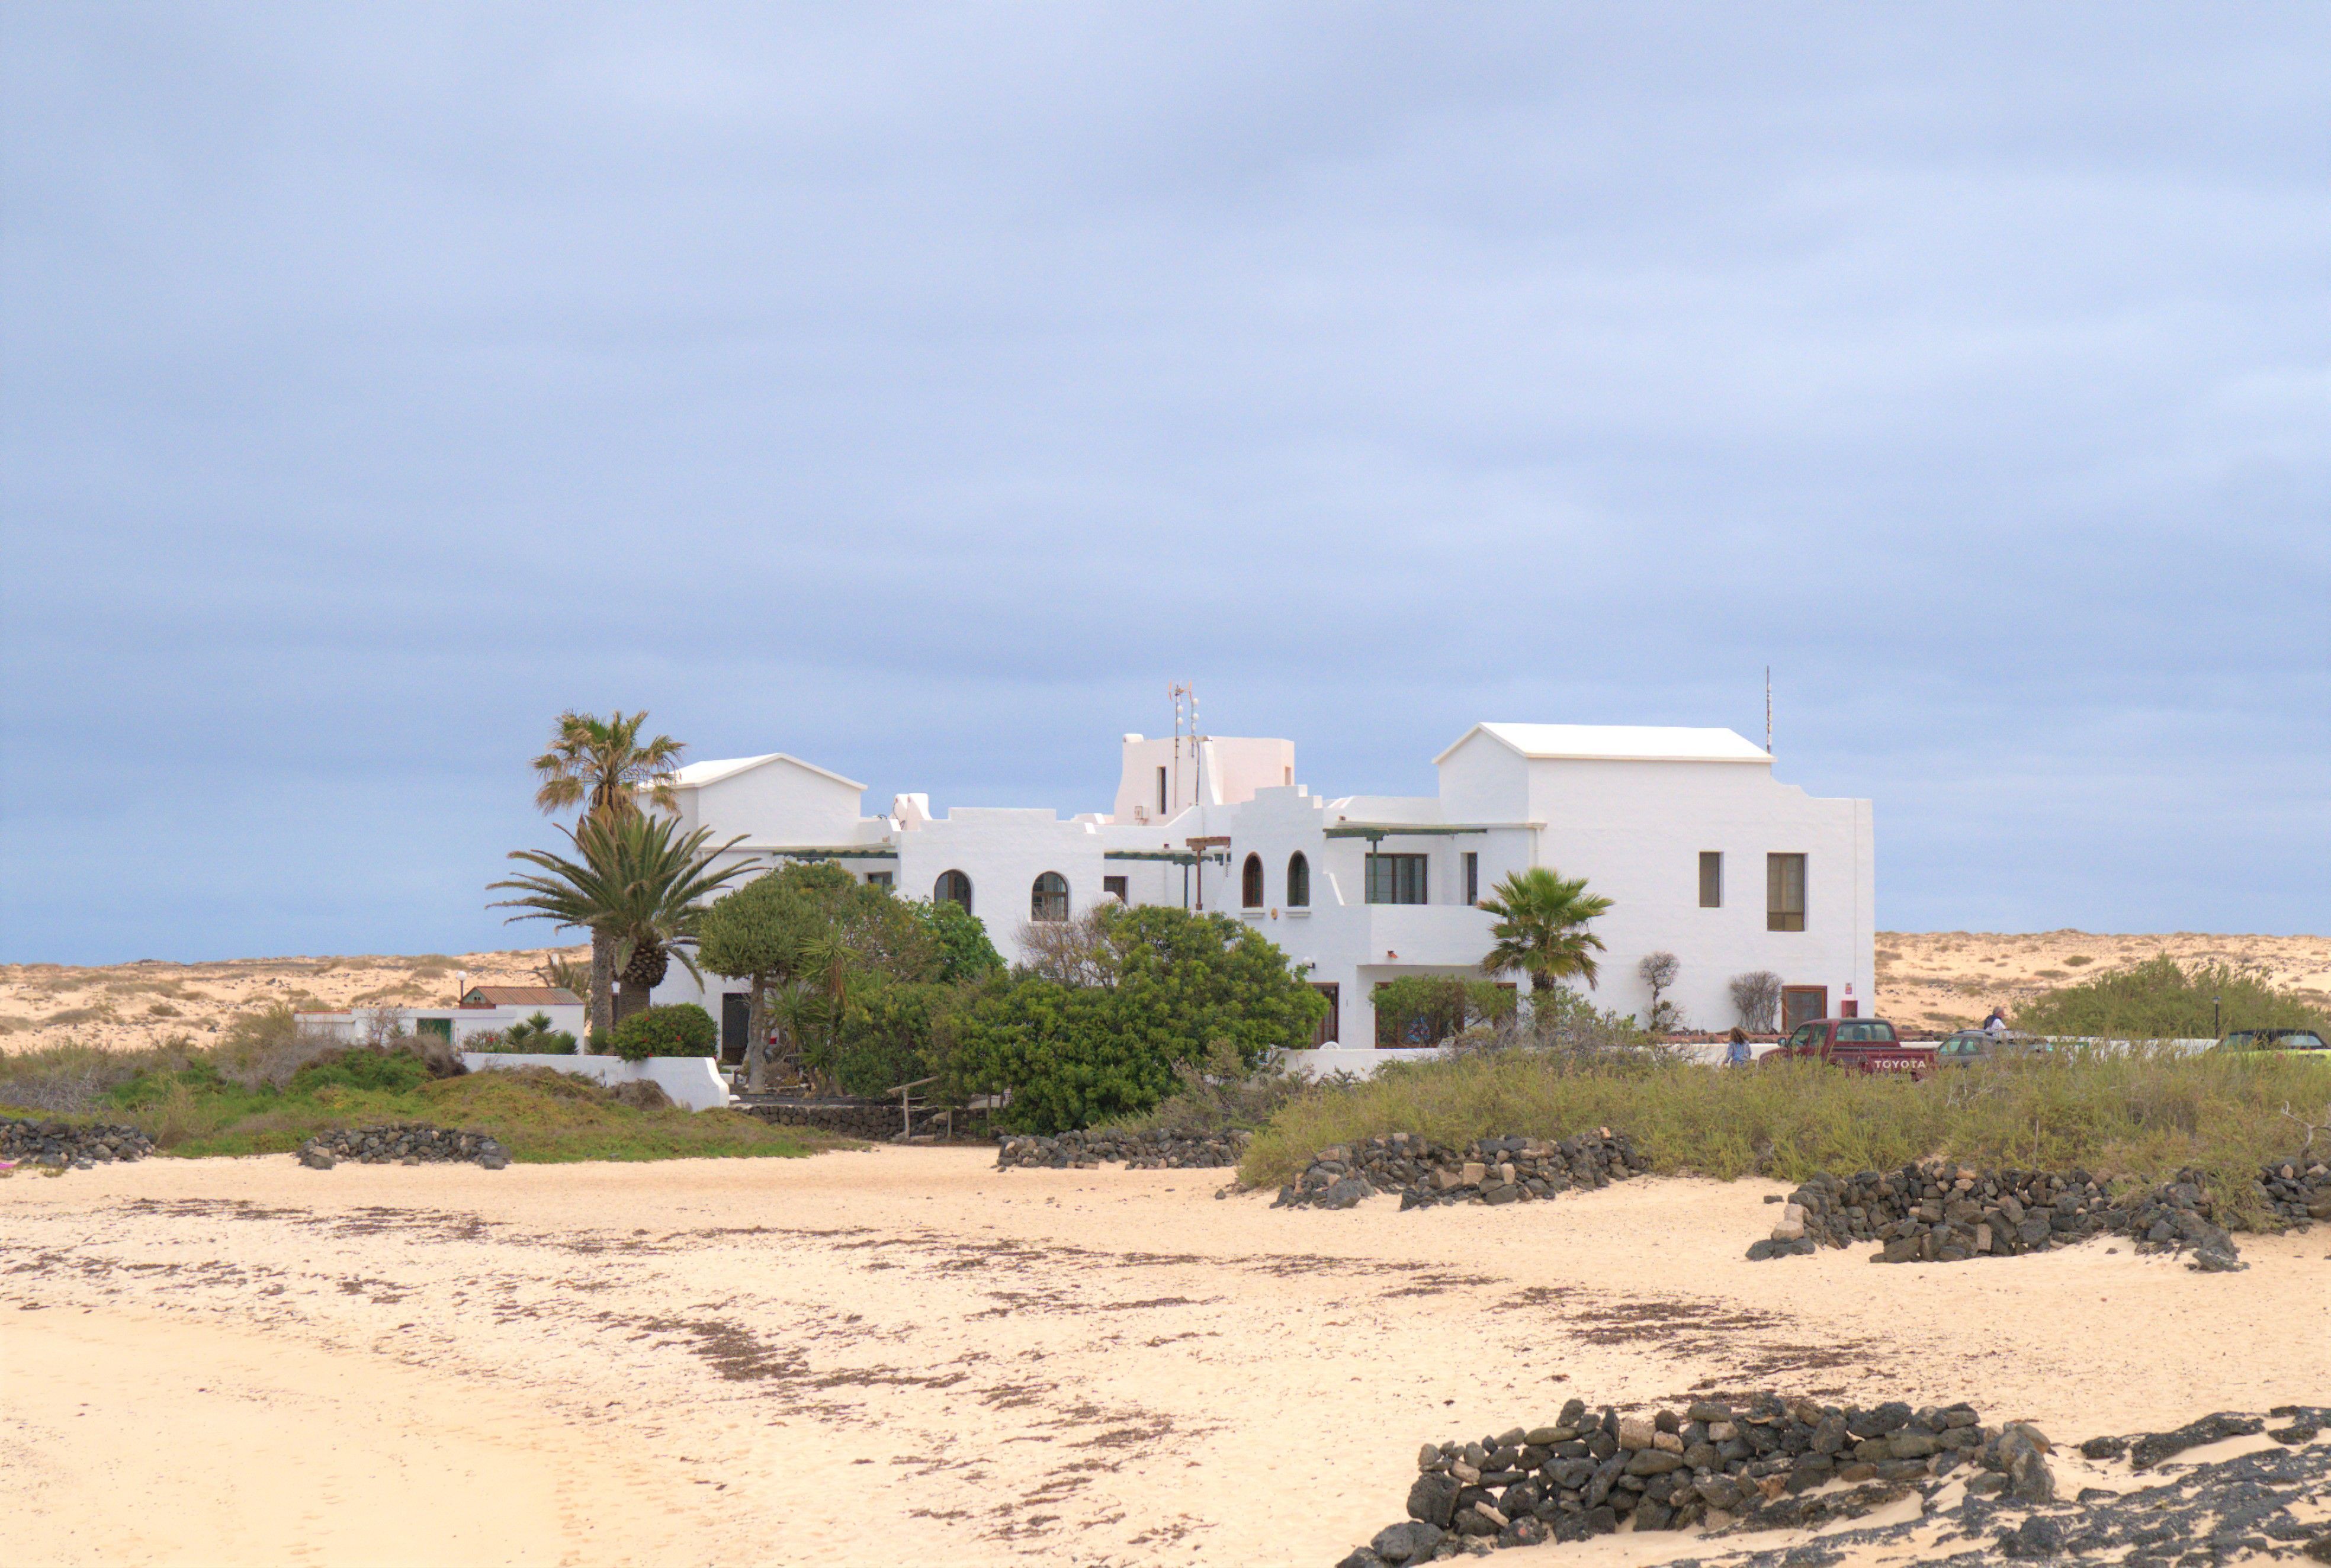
529 1037
2157 1000
884 1036
1427 1009
401 1071
1174 984
684 1029
964 951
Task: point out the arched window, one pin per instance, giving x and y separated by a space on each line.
954 888
1251 883
1049 899
1298 882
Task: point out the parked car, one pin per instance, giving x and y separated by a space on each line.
1862 1044
2300 1041
1966 1047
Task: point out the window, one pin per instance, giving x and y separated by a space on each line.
1801 1004
1327 1032
1711 878
1871 1031
1785 892
954 888
1161 790
1048 901
1113 887
1395 879
1250 882
879 879
1299 882
1473 877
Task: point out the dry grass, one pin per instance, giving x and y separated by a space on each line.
2137 1116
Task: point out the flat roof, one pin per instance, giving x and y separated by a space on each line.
1617 743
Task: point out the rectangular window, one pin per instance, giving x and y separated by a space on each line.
880 879
1473 877
1711 878
1327 1032
1161 790
1114 887
1785 892
1395 879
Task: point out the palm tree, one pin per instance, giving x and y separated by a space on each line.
1541 928
600 764
633 879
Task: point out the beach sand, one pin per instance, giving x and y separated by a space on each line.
905 1355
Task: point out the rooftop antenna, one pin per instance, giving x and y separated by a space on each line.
1768 710
1177 693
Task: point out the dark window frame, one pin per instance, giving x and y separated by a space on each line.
1473 877
1116 887
1298 882
1251 888
1711 878
1405 877
943 890
1785 876
1048 905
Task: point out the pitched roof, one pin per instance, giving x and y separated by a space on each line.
697 774
520 996
1617 743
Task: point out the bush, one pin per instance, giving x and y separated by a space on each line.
684 1029
400 1071
1177 983
529 1037
2156 1000
1221 1094
884 1036
1427 1009
1756 996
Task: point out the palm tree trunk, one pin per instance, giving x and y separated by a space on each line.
603 984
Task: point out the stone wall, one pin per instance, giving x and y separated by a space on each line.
1941 1211
874 1120
1163 1150
1711 1461
1508 1169
62 1146
405 1143
1764 1463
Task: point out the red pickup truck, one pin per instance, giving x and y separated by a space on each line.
1863 1044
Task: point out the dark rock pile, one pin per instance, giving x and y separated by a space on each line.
1670 1469
872 1119
64 1147
1163 1150
1512 1170
406 1143
1943 1213
2297 1190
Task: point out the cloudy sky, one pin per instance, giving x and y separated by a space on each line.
920 390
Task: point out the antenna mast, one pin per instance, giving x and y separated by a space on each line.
1768 710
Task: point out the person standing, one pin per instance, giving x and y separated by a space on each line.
1997 1025
1736 1053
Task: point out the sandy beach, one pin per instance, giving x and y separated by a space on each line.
905 1354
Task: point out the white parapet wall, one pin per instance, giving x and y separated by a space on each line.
693 1081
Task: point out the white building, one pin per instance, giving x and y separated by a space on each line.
1702 852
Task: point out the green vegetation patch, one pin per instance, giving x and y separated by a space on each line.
190 1107
2140 1114
2160 1000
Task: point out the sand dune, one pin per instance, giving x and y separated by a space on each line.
906 1356
1943 979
